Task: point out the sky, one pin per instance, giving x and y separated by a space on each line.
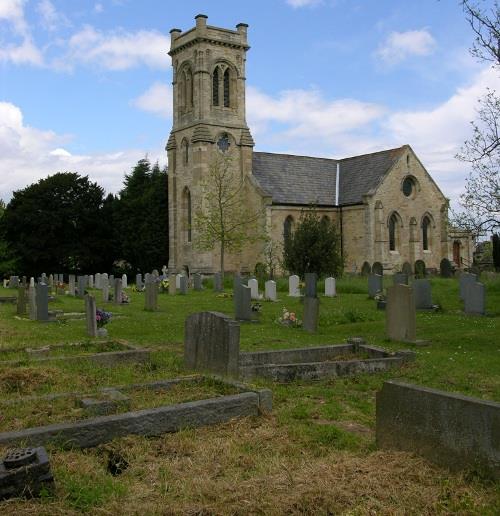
85 85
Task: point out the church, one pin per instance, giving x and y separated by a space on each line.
387 208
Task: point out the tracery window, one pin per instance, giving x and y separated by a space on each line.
215 87
393 227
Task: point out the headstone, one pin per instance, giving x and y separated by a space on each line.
111 281
293 286
32 281
42 302
446 270
178 281
270 290
465 280
105 291
419 269
197 281
218 282
242 303
151 297
104 279
81 286
14 282
475 299
212 343
71 285
124 281
164 271
400 313
374 285
117 295
51 281
21 301
155 273
43 278
310 279
311 314
183 285
32 302
138 281
90 316
365 269
330 287
406 269
91 281
5 283
422 294
254 288
97 281
377 268
400 278
172 284
237 281
23 282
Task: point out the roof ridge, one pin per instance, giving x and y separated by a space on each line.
295 155
372 153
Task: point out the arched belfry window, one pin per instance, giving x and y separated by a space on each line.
393 232
187 214
186 89
426 222
189 88
226 88
215 87
287 228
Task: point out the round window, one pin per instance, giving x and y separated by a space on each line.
408 186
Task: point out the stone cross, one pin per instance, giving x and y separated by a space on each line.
90 315
270 290
330 287
293 286
400 313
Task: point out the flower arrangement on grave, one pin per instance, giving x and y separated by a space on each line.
380 296
135 289
102 318
256 307
125 298
164 284
289 319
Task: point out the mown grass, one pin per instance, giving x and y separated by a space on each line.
313 455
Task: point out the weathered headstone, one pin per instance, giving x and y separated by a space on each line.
446 269
218 282
111 280
420 269
81 286
91 281
254 288
32 302
400 313
242 303
422 294
117 294
400 278
464 281
270 290
183 285
374 285
293 286
104 279
151 297
212 343
14 282
21 301
377 268
197 281
71 285
172 284
475 299
330 287
124 281
97 281
406 269
365 269
42 302
138 281
311 314
155 273
311 279
90 315
105 291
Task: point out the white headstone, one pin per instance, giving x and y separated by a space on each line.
293 286
254 288
270 290
330 287
32 281
178 281
124 281
5 283
104 279
97 281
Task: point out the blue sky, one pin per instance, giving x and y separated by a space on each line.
86 85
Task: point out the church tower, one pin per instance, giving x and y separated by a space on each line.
208 117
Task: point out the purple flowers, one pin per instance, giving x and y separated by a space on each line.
102 318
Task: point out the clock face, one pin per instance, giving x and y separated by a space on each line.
223 143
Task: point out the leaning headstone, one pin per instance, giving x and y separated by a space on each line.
400 313
172 284
254 288
32 302
374 285
105 292
422 294
42 302
242 303
151 297
90 315
445 268
311 314
377 268
218 282
117 295
365 269
71 285
183 285
138 281
406 269
475 299
124 281
212 343
400 278
197 281
330 287
21 301
310 280
465 280
293 286
270 290
81 286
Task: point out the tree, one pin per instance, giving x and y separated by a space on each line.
223 217
7 260
141 217
314 246
495 244
57 224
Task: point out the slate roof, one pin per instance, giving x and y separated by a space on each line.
304 180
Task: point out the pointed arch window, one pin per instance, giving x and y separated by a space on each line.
287 228
425 233
215 87
393 228
227 79
188 84
187 214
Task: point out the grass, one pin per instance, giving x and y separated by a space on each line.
315 454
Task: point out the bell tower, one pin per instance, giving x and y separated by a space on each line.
208 116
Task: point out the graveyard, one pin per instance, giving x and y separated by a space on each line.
216 444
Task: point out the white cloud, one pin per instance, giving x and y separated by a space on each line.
12 11
303 3
98 8
157 100
28 154
400 45
116 50
24 53
51 19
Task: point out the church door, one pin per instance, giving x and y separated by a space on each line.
456 253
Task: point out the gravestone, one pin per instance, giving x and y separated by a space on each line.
330 287
32 302
212 343
164 271
406 269
475 299
420 269
242 303
5 283
374 285
311 314
445 268
400 278
111 281
51 281
104 279
23 282
365 269
178 281
42 302
43 278
400 313
91 281
155 273
172 284
378 269
183 285
254 288
197 282
32 281
117 294
218 282
151 297
293 286
270 290
237 281
81 286
90 315
311 279
14 282
138 281
97 281
124 281
105 292
422 294
71 284
21 301
464 281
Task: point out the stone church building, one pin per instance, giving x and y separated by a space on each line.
387 207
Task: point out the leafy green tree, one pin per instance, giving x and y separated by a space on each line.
141 217
7 261
57 224
314 246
